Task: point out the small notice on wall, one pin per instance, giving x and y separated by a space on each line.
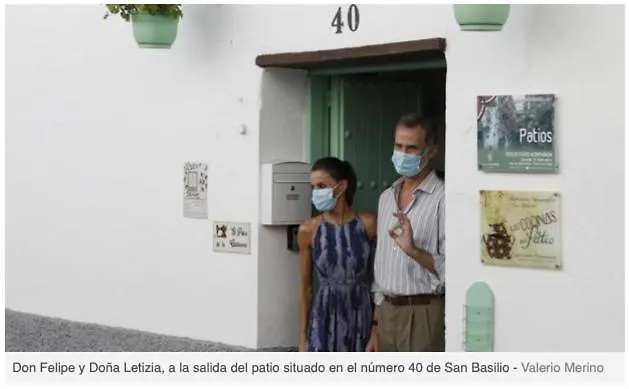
516 133
521 229
195 190
232 237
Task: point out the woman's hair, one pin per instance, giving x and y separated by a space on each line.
339 170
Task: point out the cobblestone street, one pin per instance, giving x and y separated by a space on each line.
32 333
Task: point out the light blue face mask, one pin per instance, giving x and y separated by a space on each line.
323 199
407 165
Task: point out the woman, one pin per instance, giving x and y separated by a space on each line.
336 245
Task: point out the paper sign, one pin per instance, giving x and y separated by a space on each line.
230 237
195 190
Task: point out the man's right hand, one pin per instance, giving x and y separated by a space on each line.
372 345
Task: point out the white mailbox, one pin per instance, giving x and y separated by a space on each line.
285 193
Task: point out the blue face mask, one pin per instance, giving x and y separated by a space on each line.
323 199
407 165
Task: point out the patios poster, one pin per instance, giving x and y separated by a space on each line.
516 133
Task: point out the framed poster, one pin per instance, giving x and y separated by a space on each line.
195 190
230 237
521 229
516 133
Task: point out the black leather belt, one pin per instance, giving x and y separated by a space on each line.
416 299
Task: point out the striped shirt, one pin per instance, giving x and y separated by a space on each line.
395 273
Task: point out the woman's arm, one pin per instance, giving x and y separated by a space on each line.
370 220
305 290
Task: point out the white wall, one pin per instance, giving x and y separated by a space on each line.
94 225
97 133
561 50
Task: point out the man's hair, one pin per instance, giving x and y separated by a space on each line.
415 120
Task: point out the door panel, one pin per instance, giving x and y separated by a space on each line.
360 128
368 110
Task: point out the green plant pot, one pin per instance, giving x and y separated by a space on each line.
481 17
154 31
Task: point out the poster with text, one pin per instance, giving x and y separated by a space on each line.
195 190
230 237
521 229
516 133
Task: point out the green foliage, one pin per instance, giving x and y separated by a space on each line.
126 10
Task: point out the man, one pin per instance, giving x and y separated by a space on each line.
410 256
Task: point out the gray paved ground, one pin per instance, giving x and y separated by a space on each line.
32 333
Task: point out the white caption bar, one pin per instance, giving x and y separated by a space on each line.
373 368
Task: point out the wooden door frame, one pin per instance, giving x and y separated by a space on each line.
325 119
325 67
379 54
318 119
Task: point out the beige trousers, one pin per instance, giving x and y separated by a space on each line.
412 327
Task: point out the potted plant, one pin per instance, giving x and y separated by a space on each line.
481 17
154 25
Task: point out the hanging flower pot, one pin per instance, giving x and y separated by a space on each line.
154 25
481 17
154 31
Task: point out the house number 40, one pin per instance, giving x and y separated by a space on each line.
353 19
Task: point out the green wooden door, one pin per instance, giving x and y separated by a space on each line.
363 113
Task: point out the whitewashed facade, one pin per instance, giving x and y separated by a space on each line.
98 131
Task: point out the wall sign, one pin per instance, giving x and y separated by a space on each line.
516 133
195 190
353 19
521 229
230 237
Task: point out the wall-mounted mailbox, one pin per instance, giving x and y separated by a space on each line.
285 193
